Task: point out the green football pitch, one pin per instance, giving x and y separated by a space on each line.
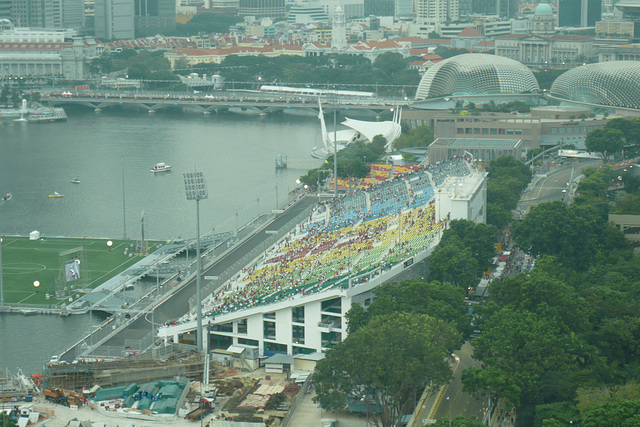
33 270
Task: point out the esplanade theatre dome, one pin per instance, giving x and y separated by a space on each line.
476 74
614 84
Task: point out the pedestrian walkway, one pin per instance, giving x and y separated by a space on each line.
309 414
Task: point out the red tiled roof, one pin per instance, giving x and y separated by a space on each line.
469 32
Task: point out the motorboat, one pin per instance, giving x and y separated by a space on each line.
75 181
160 167
7 196
55 195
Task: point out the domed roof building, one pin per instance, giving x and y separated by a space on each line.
543 20
543 9
476 74
611 84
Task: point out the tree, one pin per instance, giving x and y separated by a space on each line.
390 63
359 369
629 128
623 414
526 357
420 136
479 238
572 233
605 142
507 178
440 300
544 293
454 263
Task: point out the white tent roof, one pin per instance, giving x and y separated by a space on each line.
371 129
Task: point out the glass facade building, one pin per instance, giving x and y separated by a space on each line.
476 74
614 84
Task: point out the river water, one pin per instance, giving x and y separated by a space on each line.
111 153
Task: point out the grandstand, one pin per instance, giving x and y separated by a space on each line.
294 297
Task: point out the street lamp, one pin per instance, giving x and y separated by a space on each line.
196 189
109 244
449 400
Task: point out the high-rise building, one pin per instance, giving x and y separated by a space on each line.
403 9
5 9
484 7
379 7
579 13
436 11
154 17
73 14
507 8
114 19
37 13
262 8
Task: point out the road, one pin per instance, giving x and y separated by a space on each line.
178 304
549 187
455 401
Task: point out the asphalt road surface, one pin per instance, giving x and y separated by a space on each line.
549 187
455 401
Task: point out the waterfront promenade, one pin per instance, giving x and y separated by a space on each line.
134 324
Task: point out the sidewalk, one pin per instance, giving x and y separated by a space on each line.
308 414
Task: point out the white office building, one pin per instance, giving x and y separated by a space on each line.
115 19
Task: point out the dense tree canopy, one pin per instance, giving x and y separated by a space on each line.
440 300
508 177
420 136
386 364
605 142
573 233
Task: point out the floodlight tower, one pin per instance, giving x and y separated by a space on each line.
196 189
1 279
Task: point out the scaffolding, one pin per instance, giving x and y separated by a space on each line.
161 363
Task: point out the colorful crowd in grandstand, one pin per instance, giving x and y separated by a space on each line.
345 241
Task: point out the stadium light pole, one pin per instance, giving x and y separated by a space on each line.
335 145
1 279
196 189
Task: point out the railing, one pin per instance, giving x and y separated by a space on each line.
244 233
296 402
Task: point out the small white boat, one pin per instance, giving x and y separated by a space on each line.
160 167
75 181
7 196
55 195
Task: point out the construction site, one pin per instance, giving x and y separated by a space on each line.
168 385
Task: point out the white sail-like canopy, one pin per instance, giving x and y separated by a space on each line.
359 130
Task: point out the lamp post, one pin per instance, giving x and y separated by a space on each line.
124 214
335 147
196 189
449 400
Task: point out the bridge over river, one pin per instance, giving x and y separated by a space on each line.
220 101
